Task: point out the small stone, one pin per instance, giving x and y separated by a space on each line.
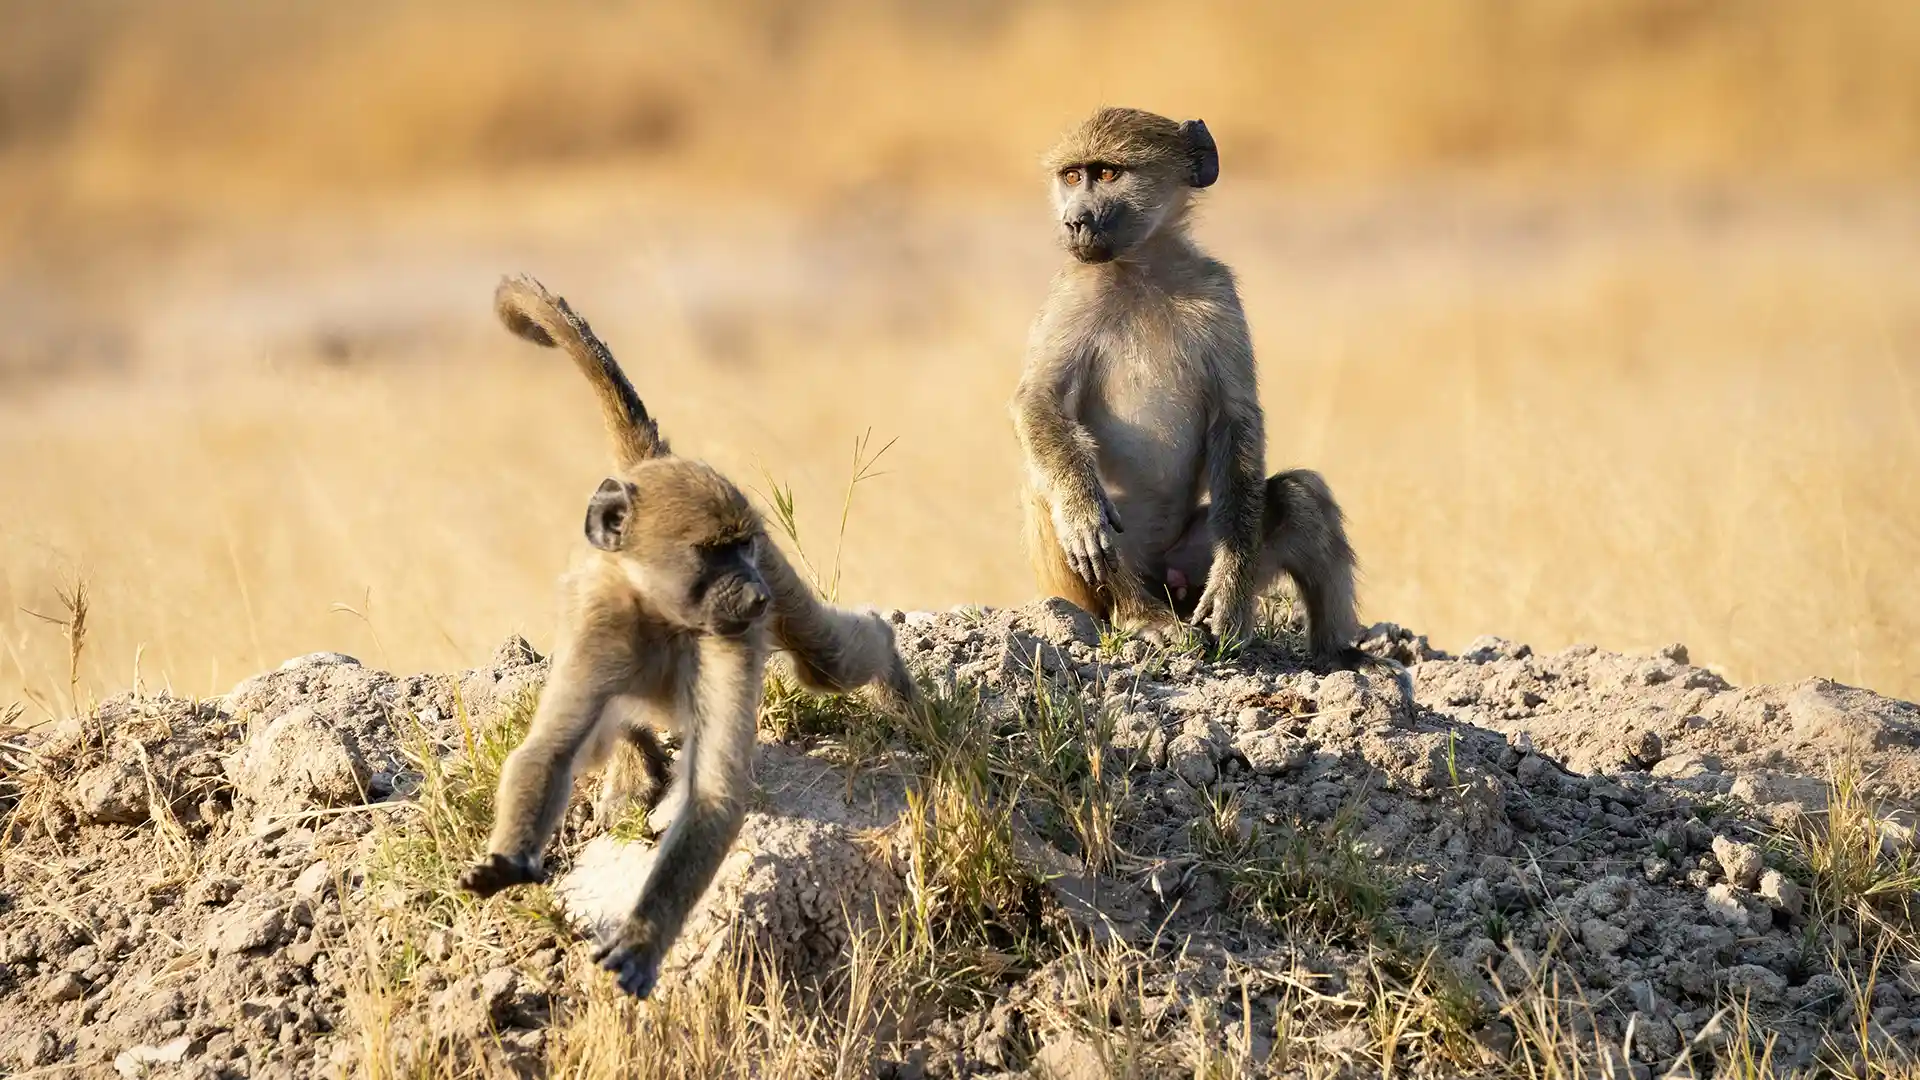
1741 862
112 794
37 1049
1061 623
1782 893
65 986
247 929
1763 986
1191 759
1274 754
1608 896
1725 906
304 953
137 1061
1675 652
313 882
516 651
1603 937
1644 748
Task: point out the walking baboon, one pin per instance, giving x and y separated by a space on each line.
1140 417
670 611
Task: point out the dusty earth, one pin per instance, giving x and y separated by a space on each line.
180 878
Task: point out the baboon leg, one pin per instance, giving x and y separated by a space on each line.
639 770
569 725
1304 537
715 777
1130 600
834 650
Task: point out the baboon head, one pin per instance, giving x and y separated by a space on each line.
688 541
1124 174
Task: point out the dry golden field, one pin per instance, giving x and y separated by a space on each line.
1603 319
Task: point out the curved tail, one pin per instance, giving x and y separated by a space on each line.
530 311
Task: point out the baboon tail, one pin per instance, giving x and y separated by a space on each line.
530 311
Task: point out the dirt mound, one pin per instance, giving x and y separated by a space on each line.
215 889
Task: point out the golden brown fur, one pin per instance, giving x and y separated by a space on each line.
1139 413
833 649
669 613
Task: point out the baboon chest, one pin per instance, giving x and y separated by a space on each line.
1146 410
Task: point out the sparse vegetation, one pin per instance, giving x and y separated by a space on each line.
1861 876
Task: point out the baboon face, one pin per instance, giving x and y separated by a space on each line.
1106 210
727 589
1122 175
689 543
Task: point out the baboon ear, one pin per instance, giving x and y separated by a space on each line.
607 514
1205 155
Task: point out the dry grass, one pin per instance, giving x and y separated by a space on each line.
1861 876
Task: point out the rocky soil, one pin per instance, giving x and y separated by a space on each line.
181 879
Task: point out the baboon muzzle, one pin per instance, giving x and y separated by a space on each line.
734 604
1087 237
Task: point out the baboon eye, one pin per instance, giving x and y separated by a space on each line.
1072 177
1108 174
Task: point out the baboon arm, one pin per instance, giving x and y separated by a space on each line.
834 650
715 772
537 777
1061 452
1063 462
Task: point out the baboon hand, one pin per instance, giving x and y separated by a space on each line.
496 872
1225 611
1086 529
634 958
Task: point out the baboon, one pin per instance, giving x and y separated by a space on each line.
1140 417
670 611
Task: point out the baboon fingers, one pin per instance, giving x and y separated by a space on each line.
1091 554
496 872
635 965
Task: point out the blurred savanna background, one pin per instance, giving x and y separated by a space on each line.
1601 316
